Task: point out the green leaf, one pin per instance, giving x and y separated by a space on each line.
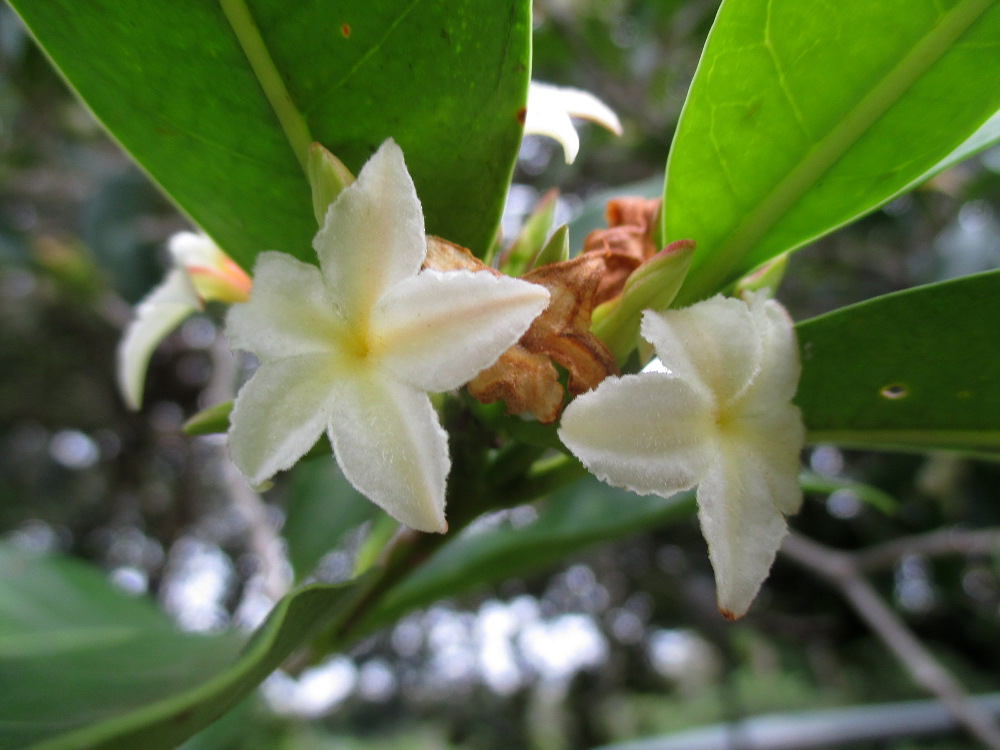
209 421
581 515
555 250
222 120
531 239
801 119
322 508
83 664
916 370
987 135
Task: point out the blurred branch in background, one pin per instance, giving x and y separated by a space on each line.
841 569
810 730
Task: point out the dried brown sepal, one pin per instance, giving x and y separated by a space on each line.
447 256
625 244
524 376
526 381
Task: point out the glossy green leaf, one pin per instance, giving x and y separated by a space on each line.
322 508
987 135
83 664
916 370
802 118
222 120
583 514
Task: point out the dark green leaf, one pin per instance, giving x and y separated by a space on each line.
916 370
85 665
322 508
800 119
577 517
173 84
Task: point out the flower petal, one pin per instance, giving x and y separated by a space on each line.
438 330
289 312
714 345
544 117
193 249
279 414
776 438
373 236
738 506
780 367
550 108
391 447
649 433
156 315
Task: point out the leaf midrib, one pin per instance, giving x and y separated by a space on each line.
293 122
715 268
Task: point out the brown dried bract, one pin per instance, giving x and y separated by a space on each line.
625 244
524 376
447 256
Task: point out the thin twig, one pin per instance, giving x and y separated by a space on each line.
841 570
934 544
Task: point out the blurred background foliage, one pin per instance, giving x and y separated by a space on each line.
619 643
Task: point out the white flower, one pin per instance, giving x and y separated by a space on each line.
353 347
720 417
551 107
201 273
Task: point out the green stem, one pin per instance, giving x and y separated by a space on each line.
410 549
873 496
248 35
979 443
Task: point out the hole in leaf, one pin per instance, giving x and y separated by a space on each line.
894 391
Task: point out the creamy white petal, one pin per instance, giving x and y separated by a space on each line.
715 344
780 366
650 433
551 107
741 524
159 313
289 312
192 249
775 439
281 412
546 118
373 236
391 447
439 329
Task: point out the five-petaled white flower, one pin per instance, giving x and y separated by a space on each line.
354 347
550 109
201 273
721 417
